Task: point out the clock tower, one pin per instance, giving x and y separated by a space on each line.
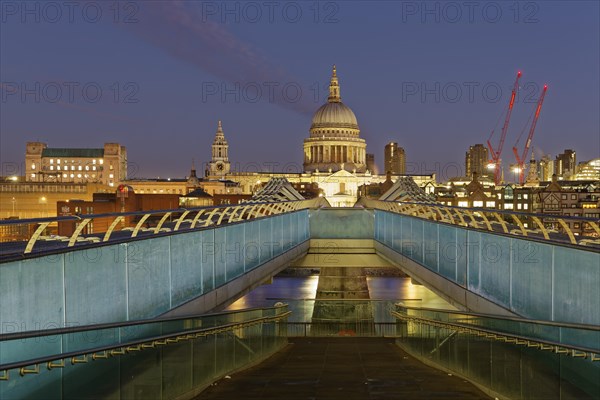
219 165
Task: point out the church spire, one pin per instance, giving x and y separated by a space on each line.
334 88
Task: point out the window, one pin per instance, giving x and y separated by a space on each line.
111 176
52 161
573 205
32 166
519 205
64 175
94 162
573 197
508 206
478 203
33 175
101 161
58 161
87 167
79 175
519 196
490 204
93 168
525 196
576 225
564 196
58 167
463 204
525 206
52 168
79 168
72 168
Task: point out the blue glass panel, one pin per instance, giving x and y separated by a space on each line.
576 285
234 251
430 245
448 251
31 294
208 260
148 277
251 245
186 267
266 239
417 240
473 261
495 268
219 256
461 256
532 279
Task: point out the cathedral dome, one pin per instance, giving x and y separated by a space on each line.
334 143
334 115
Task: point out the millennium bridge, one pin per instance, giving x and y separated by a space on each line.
137 311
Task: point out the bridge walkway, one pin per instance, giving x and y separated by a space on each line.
342 368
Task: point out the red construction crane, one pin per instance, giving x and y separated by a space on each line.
521 159
497 152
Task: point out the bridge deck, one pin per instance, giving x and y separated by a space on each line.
342 368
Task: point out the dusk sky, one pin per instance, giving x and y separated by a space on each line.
156 76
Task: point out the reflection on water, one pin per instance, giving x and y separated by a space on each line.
300 293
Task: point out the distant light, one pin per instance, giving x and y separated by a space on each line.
491 166
14 178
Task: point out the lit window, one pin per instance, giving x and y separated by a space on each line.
87 167
72 168
508 206
94 162
58 161
86 176
72 176
52 168
463 204
490 204
94 168
525 206
58 167
79 175
32 166
101 161
111 176
79 168
64 175
33 175
478 203
52 161
519 205
525 196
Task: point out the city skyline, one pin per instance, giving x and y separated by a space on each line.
421 74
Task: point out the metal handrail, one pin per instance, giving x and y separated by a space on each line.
218 212
506 318
131 346
79 217
542 344
109 325
429 210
